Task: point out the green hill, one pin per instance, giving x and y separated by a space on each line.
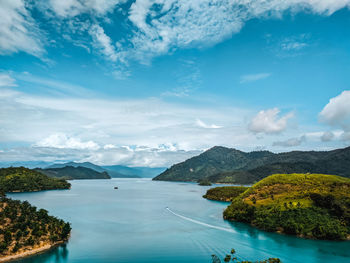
225 193
23 228
306 205
70 173
20 179
225 165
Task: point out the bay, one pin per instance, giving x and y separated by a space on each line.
159 222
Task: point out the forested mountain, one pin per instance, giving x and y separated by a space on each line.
220 164
70 172
20 179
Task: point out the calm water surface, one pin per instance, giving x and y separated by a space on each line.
146 221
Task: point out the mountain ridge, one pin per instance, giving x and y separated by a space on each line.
237 166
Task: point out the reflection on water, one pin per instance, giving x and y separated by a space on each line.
58 254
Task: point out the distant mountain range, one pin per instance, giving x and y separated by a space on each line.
226 165
70 172
116 171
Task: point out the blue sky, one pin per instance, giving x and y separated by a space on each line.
153 82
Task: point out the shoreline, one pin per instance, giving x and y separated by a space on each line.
31 252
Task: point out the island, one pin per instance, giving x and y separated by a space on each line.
21 179
224 193
25 230
313 206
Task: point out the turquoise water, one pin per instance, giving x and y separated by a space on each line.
147 221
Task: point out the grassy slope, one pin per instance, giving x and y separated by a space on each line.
308 205
20 179
225 193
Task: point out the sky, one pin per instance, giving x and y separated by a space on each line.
154 82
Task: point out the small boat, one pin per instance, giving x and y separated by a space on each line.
115 187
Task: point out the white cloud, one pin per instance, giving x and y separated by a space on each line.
18 31
71 8
292 142
201 124
254 77
268 121
165 25
6 80
103 43
337 111
61 141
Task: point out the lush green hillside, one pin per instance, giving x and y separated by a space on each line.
225 193
307 205
23 228
224 165
70 172
20 179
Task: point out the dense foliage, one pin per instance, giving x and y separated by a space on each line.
225 193
20 179
204 182
307 205
70 173
224 165
24 227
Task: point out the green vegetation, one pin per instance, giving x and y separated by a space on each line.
224 165
23 227
232 256
20 179
225 193
204 182
71 173
307 205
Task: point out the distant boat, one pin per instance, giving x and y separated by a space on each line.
115 187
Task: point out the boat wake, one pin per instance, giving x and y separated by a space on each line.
201 223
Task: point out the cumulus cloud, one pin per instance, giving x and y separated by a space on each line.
290 142
254 77
268 121
337 111
18 30
61 141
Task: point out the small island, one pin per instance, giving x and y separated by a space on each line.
313 206
225 193
204 182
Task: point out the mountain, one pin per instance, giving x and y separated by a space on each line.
70 172
307 205
145 172
100 169
225 165
21 179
